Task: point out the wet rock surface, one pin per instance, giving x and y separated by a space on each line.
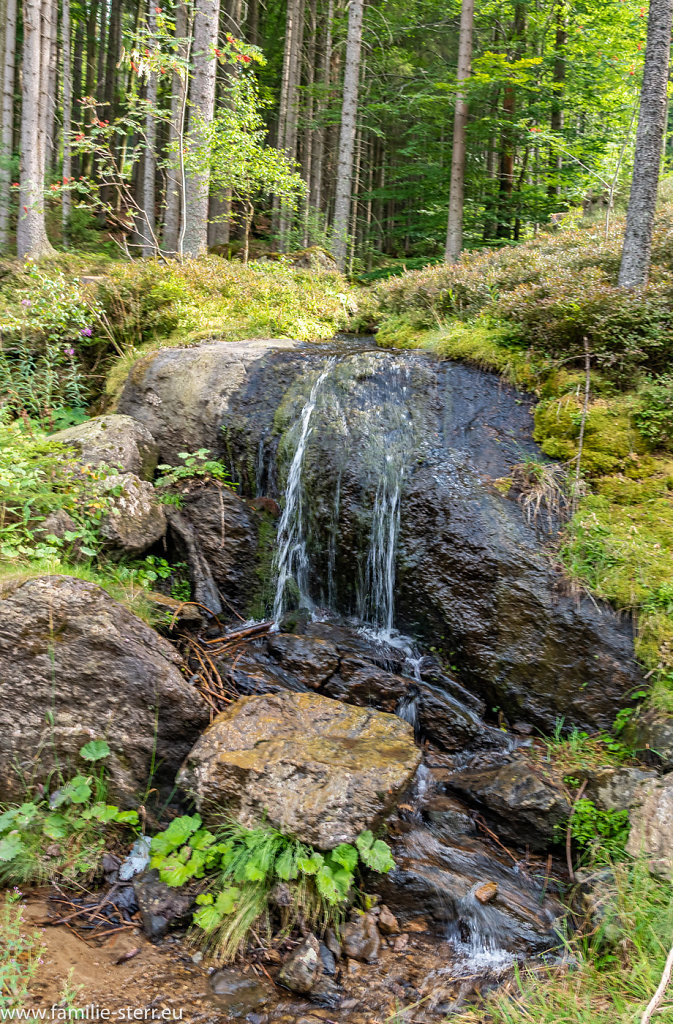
118 441
317 769
162 907
68 648
525 806
303 967
237 995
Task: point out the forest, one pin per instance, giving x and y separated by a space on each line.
336 511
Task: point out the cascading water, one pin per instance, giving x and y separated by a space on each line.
291 560
377 604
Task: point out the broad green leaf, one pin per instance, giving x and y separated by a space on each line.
8 819
202 840
94 750
378 857
204 899
55 826
286 864
326 885
208 918
364 842
11 846
173 872
77 791
226 900
310 865
346 855
177 834
127 817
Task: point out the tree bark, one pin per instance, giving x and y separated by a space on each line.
67 116
171 229
317 162
202 104
31 234
289 141
557 114
454 233
7 131
349 113
635 266
148 226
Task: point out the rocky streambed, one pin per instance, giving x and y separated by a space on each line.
406 632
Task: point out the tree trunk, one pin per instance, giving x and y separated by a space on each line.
317 162
67 117
31 234
52 87
148 226
454 234
557 113
202 104
635 266
173 176
309 129
349 113
289 141
7 130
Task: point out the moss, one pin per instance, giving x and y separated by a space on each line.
262 600
611 440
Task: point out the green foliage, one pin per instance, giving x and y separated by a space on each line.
21 949
600 834
654 413
242 866
63 831
570 755
194 465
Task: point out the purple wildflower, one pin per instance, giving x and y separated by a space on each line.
26 302
86 332
69 351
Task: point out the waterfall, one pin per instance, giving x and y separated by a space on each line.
377 600
291 561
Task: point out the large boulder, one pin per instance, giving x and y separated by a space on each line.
184 395
76 665
224 529
135 519
652 826
113 440
316 769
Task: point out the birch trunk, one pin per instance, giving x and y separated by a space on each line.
175 134
7 129
202 103
454 232
148 226
635 266
349 113
67 116
31 233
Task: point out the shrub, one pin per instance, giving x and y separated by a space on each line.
20 953
241 867
654 411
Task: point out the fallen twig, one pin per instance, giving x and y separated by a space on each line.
656 999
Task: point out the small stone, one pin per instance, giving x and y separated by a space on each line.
332 942
361 939
401 942
303 967
353 967
388 923
328 959
326 992
197 957
419 924
486 892
237 995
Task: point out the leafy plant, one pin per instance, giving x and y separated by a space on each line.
600 834
62 832
194 465
241 867
21 950
654 414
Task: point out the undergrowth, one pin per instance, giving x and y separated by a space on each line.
248 873
21 949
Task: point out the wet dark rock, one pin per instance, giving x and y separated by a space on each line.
317 769
472 570
439 881
135 519
118 441
328 959
448 818
361 938
431 672
66 646
436 714
185 543
237 994
527 808
251 671
326 992
333 943
162 906
226 531
303 967
314 660
356 651
651 734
